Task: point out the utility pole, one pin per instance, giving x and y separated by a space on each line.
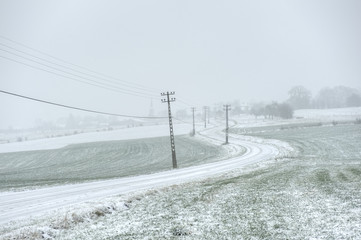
208 108
227 107
205 116
194 126
172 143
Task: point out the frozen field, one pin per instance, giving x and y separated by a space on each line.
101 160
335 114
308 191
119 134
21 205
313 194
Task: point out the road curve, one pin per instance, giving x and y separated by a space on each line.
20 205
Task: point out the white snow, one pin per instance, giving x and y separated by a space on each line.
21 205
121 134
17 205
329 114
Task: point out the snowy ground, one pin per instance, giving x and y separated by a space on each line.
36 202
102 160
335 114
320 116
308 191
119 134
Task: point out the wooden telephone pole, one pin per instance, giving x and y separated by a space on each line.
172 143
205 109
227 108
194 127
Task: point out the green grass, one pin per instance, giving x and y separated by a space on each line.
100 160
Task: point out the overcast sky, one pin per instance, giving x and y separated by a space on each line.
205 51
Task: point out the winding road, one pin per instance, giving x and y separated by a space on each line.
19 205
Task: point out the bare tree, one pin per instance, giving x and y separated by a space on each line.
338 97
299 97
285 111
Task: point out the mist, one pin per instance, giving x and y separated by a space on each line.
118 57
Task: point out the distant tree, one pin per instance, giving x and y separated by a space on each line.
285 111
257 109
299 97
337 97
354 100
271 110
325 98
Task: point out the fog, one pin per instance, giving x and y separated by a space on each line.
205 51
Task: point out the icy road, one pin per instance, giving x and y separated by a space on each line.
19 205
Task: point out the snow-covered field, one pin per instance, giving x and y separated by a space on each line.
119 134
101 160
40 201
302 116
335 114
312 192
309 189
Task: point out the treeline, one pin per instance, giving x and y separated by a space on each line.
282 110
301 98
336 97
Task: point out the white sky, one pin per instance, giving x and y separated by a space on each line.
206 51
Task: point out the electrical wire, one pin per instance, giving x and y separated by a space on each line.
86 80
182 120
77 108
145 90
78 66
68 68
75 79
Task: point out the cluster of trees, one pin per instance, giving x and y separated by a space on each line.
301 98
282 110
336 97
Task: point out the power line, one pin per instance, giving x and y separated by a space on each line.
77 108
74 73
78 80
68 68
71 74
124 84
75 65
181 120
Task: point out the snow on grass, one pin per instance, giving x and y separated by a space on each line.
329 114
102 160
313 194
302 117
120 134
